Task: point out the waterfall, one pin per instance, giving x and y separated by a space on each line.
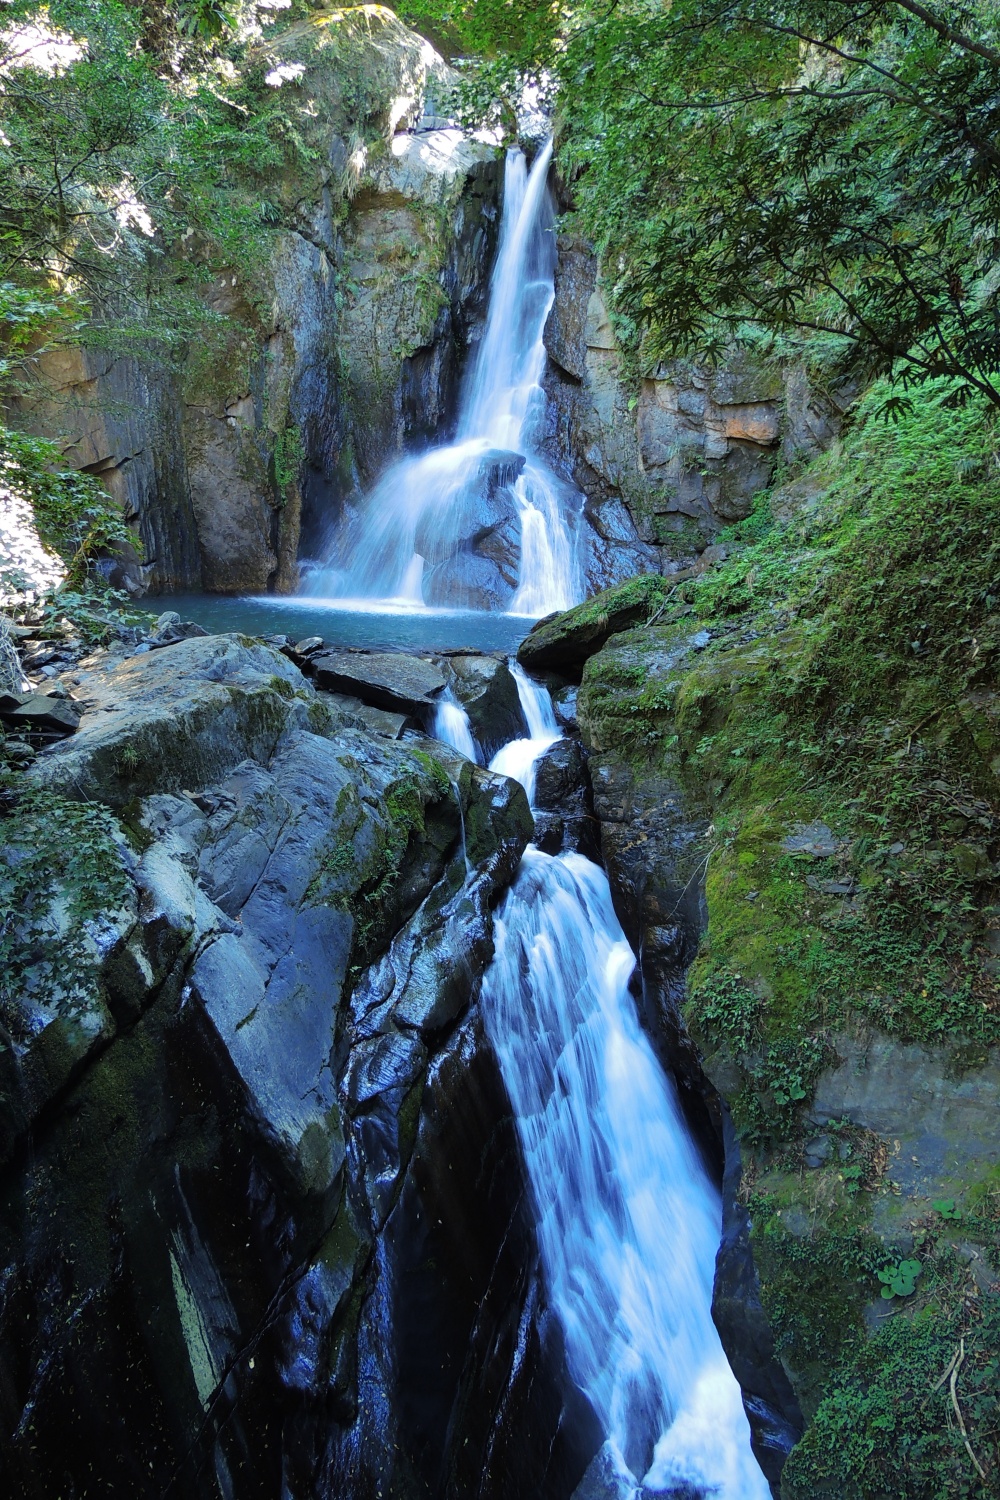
518 757
628 1222
481 522
452 727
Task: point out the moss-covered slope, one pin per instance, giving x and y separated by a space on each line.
827 704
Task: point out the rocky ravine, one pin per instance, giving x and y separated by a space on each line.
862 1147
261 1209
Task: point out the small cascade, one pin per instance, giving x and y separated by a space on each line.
628 1223
517 759
482 522
452 727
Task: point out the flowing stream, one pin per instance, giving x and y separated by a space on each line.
628 1222
481 522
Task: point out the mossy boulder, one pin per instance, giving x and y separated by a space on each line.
180 717
564 642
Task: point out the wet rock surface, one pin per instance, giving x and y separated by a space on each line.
196 1189
487 691
388 680
654 846
473 561
563 801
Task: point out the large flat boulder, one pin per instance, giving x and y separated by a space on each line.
383 679
565 641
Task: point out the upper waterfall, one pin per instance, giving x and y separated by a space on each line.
480 523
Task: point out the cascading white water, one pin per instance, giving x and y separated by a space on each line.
518 757
452 727
628 1222
423 534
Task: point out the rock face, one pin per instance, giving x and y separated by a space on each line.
669 458
473 560
563 802
487 691
654 845
415 261
255 1154
341 346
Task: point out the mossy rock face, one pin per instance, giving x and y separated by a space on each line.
816 716
72 958
565 641
179 717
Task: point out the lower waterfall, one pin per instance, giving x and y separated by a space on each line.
628 1222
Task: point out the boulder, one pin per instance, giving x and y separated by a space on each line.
563 805
39 713
485 687
177 718
385 679
563 642
473 547
170 629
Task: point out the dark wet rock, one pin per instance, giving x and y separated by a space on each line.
480 578
487 691
563 642
499 470
475 1395
776 1421
384 679
67 985
563 802
564 706
43 714
226 1105
654 846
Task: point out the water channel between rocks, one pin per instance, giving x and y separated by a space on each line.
627 1221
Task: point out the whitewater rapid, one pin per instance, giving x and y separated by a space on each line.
627 1219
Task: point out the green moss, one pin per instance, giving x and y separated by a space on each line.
439 776
61 866
841 668
886 1425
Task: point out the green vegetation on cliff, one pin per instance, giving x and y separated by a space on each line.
816 172
827 699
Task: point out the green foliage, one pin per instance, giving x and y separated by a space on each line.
61 867
204 18
946 1208
887 1429
817 176
899 1278
74 513
289 454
